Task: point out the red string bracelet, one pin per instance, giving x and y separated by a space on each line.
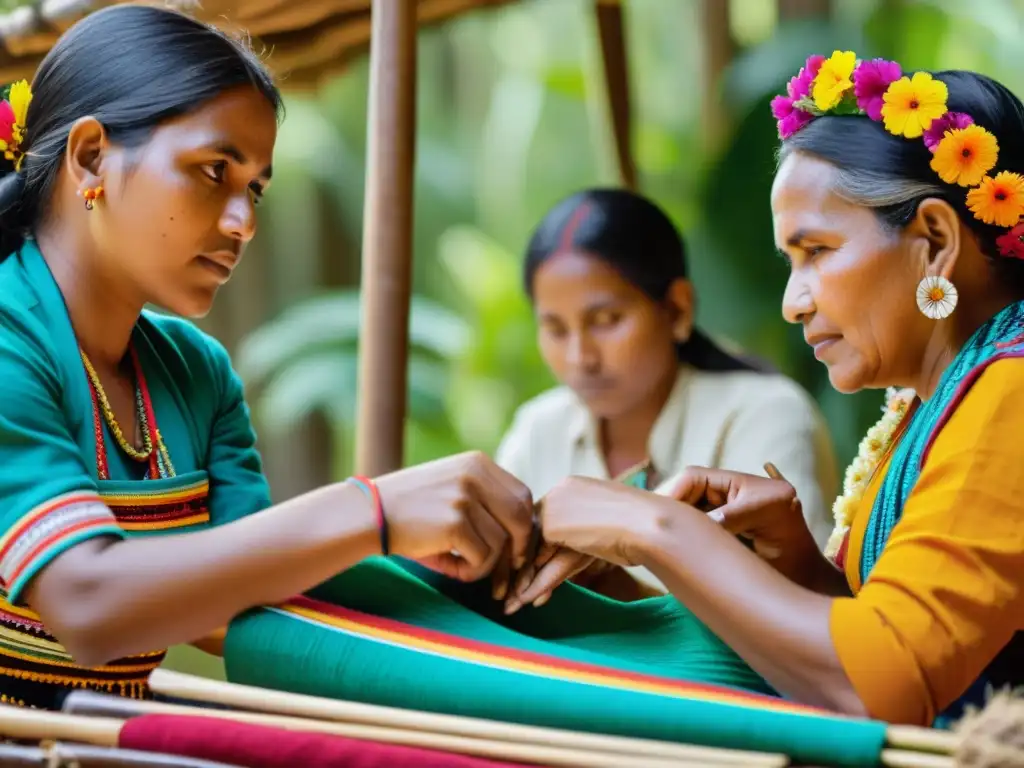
367 486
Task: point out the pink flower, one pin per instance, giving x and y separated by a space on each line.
800 85
948 122
6 122
1011 244
871 79
790 119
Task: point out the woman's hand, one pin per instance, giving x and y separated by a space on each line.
589 527
556 565
552 566
458 515
766 511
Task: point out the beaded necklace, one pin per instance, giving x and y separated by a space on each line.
154 450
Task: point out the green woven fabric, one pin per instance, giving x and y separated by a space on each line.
274 649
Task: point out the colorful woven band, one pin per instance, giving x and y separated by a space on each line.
367 486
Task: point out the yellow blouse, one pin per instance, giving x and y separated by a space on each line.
947 593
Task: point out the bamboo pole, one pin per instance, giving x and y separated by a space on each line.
892 758
40 725
301 706
386 281
922 739
64 754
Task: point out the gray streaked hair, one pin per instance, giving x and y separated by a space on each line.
894 198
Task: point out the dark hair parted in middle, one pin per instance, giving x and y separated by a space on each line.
633 235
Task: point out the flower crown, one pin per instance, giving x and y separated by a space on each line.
963 152
13 110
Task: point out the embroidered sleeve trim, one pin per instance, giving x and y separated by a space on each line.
46 531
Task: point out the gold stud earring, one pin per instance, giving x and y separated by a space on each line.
91 195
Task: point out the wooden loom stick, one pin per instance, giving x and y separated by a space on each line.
523 752
922 739
302 706
892 758
63 754
40 725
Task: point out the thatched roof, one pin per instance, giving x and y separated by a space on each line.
306 38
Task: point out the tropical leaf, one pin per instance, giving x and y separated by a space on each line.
331 324
325 381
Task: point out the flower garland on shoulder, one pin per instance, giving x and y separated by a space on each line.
870 454
13 113
914 107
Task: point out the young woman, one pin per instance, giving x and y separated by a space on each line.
641 386
133 511
899 202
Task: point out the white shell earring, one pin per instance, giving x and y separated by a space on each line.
936 297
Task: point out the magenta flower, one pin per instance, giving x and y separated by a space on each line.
7 121
800 85
790 119
871 79
1011 244
948 122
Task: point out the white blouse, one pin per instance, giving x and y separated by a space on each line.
734 420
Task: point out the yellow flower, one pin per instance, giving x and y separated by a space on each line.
845 510
835 542
19 98
998 200
834 79
965 155
911 104
873 444
857 473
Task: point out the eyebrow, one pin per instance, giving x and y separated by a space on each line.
597 306
797 237
239 157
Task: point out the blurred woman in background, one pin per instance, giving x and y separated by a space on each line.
644 393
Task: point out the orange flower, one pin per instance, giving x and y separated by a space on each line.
998 200
911 104
965 155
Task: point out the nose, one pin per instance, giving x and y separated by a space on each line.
798 299
582 353
238 221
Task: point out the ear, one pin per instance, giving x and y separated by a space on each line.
681 306
936 228
86 151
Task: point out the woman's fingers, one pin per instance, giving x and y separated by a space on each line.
474 544
559 569
502 574
508 502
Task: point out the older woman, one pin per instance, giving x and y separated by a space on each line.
898 203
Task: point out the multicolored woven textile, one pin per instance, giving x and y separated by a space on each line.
391 633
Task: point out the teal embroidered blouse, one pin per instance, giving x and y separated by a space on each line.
47 439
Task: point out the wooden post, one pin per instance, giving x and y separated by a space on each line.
719 50
386 284
610 28
804 9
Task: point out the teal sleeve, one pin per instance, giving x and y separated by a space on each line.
238 486
48 496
